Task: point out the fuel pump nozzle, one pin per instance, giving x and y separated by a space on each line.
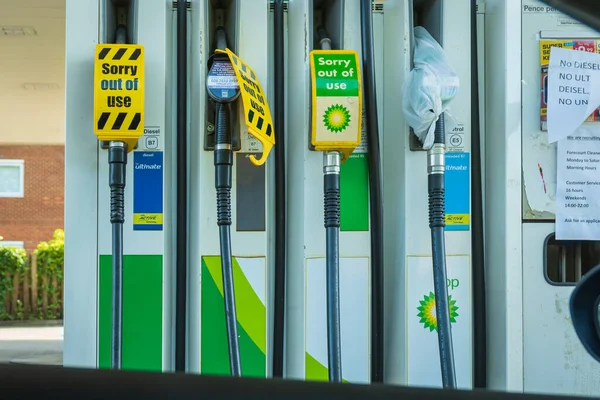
223 89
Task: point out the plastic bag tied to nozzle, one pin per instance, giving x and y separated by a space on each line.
430 88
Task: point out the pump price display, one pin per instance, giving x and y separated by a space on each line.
336 100
256 109
119 92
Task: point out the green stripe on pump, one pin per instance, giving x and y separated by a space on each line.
354 194
315 371
142 312
251 317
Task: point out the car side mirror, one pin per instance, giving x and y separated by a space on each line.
585 311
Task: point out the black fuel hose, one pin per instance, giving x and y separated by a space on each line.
280 194
477 229
117 161
437 224
375 191
182 214
331 202
117 174
223 166
331 193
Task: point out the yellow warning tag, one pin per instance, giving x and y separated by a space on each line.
256 109
119 93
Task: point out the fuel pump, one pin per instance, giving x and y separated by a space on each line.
336 130
119 123
223 89
228 79
431 87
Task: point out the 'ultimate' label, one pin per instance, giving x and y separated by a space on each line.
148 191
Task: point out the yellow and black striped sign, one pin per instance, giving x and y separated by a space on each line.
256 108
119 92
118 121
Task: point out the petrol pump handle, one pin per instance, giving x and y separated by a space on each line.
224 90
437 224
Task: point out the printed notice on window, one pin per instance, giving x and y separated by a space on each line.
578 185
573 90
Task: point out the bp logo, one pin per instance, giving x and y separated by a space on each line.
427 311
336 118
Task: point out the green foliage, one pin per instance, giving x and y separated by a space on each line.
50 261
51 255
12 261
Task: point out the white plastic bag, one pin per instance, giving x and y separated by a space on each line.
429 89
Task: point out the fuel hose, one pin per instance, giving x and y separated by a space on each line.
437 223
117 171
117 160
331 171
331 194
477 227
181 249
280 193
223 166
375 190
223 89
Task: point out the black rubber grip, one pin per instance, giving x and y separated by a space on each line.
440 131
223 165
437 211
332 200
222 124
117 161
223 206
117 205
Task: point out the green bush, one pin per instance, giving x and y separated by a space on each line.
50 261
12 261
51 255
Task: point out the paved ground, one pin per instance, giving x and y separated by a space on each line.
35 345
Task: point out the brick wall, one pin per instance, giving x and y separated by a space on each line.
34 218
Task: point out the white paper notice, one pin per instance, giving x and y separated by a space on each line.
578 190
573 92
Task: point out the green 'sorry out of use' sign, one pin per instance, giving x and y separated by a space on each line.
336 99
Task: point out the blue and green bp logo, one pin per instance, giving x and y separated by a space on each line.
336 118
427 311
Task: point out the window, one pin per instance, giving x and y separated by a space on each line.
8 243
12 178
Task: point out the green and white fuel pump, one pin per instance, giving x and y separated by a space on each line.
174 273
336 130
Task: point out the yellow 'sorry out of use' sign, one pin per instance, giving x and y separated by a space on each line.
256 108
119 93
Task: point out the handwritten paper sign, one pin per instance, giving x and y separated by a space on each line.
573 93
